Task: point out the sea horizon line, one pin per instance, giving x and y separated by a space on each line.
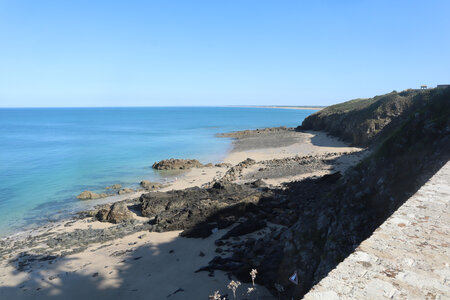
172 106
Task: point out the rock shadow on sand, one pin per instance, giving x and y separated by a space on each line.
162 268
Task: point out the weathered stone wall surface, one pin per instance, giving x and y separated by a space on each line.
407 257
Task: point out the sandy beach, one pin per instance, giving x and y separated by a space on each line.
85 258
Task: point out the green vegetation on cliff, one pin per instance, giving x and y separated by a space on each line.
361 121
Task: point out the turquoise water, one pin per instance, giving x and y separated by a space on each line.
49 155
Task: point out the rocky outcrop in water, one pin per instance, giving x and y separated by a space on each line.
88 195
177 164
149 185
114 187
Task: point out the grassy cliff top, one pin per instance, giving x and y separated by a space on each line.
360 121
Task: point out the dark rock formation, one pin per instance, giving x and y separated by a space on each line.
195 210
249 226
236 170
292 166
284 208
256 132
177 164
223 165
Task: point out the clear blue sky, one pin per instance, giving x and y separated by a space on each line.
122 53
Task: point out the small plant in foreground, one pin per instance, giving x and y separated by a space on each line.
253 273
233 285
216 296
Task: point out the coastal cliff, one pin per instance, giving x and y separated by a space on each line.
411 152
334 214
362 121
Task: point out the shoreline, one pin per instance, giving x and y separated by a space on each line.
276 155
241 149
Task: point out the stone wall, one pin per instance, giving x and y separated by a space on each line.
407 257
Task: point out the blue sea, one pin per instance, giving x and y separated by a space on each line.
50 155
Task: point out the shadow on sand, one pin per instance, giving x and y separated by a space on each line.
322 139
161 267
318 222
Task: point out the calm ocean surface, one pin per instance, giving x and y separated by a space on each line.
50 155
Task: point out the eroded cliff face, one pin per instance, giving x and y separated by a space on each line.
370 192
333 215
360 121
